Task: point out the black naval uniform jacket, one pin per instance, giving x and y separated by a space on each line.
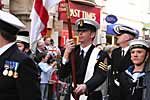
133 90
25 86
99 75
146 84
119 64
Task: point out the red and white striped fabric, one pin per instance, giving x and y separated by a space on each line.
39 18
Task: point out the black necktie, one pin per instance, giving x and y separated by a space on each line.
123 52
82 54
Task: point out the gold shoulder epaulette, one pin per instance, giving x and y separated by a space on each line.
103 66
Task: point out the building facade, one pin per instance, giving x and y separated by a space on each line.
128 12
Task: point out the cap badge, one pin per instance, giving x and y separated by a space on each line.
81 23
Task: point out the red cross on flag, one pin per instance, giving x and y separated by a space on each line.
39 18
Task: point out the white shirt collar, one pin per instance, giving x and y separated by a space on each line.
85 49
125 49
5 47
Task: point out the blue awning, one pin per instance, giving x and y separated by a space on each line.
110 30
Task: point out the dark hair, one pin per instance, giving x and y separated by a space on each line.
51 59
8 36
26 45
39 57
51 41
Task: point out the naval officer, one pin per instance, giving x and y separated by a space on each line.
134 81
120 58
90 69
18 73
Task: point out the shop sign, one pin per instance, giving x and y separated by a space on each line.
79 11
111 19
110 29
64 36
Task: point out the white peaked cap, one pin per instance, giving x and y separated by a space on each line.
10 23
23 36
88 21
121 29
136 43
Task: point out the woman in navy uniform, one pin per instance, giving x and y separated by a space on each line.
134 82
92 64
18 73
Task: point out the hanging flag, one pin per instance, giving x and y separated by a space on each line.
39 18
1 5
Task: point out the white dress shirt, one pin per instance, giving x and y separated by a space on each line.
64 61
125 50
5 47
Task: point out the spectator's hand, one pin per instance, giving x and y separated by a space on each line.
51 81
54 64
80 89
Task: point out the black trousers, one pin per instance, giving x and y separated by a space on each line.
50 91
96 95
113 91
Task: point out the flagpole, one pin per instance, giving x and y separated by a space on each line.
72 53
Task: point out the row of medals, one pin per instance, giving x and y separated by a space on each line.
10 73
